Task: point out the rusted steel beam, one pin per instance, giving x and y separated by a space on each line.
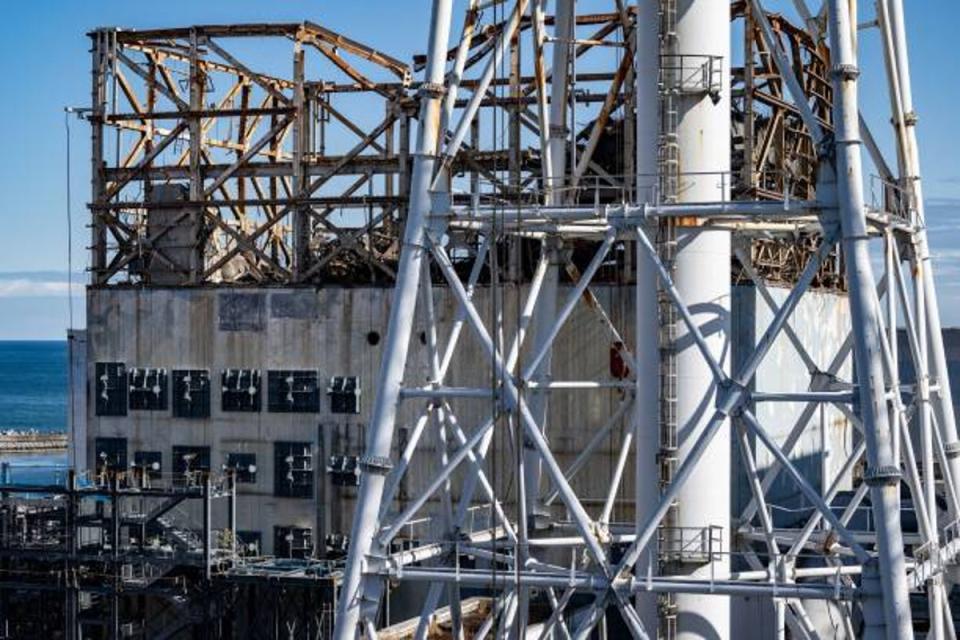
249 154
525 23
258 78
397 67
127 175
170 94
609 104
203 113
331 54
160 54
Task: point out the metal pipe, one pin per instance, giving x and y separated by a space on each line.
804 396
358 590
645 415
587 582
888 614
480 91
804 485
938 358
632 214
513 398
598 436
559 96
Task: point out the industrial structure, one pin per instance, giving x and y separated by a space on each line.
568 328
548 544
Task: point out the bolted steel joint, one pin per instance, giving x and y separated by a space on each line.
846 71
952 449
885 475
376 464
432 90
911 119
730 396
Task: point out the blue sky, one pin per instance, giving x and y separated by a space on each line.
45 66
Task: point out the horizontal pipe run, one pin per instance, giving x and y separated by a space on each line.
559 542
437 549
731 588
634 214
446 392
599 584
579 384
805 396
801 573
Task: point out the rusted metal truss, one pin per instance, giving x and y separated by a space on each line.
774 156
212 165
773 151
208 168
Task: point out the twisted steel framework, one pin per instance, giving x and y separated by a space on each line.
599 559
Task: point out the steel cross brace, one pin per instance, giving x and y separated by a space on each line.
731 398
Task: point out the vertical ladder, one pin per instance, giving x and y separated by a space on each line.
669 179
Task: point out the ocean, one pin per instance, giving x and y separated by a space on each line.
33 395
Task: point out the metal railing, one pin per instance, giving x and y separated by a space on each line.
691 545
691 73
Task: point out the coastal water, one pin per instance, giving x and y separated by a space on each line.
33 395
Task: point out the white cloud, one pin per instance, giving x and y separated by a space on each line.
27 288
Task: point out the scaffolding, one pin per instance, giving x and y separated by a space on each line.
130 555
209 171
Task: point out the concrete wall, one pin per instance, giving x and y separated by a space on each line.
77 407
821 322
329 330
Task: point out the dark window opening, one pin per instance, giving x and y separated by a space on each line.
344 392
111 454
240 390
244 466
344 471
292 542
293 392
337 545
191 393
249 543
111 388
190 464
293 470
149 462
148 389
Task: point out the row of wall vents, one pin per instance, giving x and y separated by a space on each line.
293 470
241 390
293 465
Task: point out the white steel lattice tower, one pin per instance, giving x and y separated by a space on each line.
554 561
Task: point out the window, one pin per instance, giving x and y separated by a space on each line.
240 390
244 465
344 392
293 470
293 392
150 462
248 543
191 393
337 545
292 542
111 386
111 454
344 471
189 463
148 389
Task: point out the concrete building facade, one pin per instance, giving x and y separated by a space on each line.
249 344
